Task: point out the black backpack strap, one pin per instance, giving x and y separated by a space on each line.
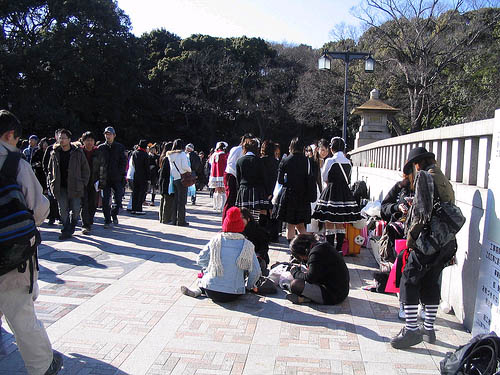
10 165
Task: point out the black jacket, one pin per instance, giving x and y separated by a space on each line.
260 238
196 166
295 168
326 268
114 163
140 159
389 208
250 173
164 177
270 165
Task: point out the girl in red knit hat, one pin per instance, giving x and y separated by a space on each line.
224 261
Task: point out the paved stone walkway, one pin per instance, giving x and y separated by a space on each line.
111 304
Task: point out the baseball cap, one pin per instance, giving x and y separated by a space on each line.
190 146
109 129
33 137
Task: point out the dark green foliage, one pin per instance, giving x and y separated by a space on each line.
75 64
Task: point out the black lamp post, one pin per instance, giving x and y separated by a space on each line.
324 63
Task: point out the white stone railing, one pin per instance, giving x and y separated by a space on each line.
463 152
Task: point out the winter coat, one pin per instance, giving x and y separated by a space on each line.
95 165
164 177
140 159
114 163
78 172
195 162
326 268
179 163
233 279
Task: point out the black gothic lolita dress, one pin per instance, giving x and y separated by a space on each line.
336 203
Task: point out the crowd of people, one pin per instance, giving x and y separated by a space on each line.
256 190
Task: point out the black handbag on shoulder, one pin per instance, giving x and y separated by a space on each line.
311 191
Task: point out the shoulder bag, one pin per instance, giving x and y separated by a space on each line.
187 179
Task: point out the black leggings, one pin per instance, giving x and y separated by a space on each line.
220 296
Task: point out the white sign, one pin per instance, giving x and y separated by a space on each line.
487 310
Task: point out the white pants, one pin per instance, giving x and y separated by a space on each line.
31 337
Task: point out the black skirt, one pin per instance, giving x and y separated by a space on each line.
336 204
292 207
253 198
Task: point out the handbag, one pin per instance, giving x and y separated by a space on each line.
187 179
311 184
446 220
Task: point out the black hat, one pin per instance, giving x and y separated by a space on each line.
143 143
416 154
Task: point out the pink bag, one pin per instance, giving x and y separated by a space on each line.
390 287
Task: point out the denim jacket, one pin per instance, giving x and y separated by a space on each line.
233 280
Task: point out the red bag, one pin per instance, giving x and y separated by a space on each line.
379 229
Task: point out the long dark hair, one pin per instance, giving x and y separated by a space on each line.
178 145
166 147
302 244
296 146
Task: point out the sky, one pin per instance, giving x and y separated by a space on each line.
294 21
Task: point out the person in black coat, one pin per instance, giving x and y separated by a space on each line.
270 165
326 280
252 180
112 176
140 160
259 237
196 166
293 207
167 199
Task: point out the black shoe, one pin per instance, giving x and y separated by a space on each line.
297 300
115 220
185 224
428 335
86 230
107 225
64 236
52 221
56 364
406 338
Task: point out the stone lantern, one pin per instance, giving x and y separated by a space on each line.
374 114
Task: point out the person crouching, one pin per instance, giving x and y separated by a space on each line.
224 261
326 280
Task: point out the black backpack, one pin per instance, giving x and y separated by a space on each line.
19 236
479 357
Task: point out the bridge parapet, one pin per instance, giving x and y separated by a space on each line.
464 153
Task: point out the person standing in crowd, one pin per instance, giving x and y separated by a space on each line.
336 205
252 181
54 209
321 153
201 179
69 174
37 163
293 207
112 176
154 167
164 185
140 161
89 200
216 181
32 147
230 183
326 280
179 164
270 165
421 273
196 166
16 286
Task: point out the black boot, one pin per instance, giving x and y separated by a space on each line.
340 241
330 238
263 219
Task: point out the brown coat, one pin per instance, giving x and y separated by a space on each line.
78 172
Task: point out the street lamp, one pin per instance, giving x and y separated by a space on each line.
325 63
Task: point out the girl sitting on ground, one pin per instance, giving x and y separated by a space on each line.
326 280
225 259
259 237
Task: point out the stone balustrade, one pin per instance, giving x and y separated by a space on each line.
463 152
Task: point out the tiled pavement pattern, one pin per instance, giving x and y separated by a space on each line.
112 305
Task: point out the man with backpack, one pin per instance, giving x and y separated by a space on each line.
26 206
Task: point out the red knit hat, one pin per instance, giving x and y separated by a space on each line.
233 221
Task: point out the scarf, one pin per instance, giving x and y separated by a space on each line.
244 261
423 201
